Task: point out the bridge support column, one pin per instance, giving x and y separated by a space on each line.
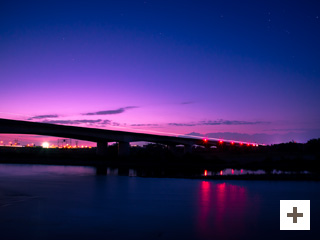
172 148
188 148
102 148
124 149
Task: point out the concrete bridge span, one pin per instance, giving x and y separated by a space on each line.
100 136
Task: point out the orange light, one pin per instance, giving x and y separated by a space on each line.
205 172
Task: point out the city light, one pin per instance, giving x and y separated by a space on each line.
45 145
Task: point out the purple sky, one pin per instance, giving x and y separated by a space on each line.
205 67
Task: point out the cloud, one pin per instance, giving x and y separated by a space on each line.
287 130
188 102
106 122
110 112
228 122
216 122
183 124
74 122
144 125
43 116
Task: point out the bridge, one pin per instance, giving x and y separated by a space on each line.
103 136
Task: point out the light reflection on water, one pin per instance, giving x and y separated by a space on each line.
30 169
82 205
230 171
223 205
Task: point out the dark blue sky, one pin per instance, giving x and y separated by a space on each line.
244 67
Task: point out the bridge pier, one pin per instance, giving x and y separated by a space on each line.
102 148
172 148
187 148
123 149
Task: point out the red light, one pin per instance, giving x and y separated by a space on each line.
232 143
253 144
205 172
220 141
232 171
221 173
205 140
248 144
241 144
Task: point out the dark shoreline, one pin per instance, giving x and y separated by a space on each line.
186 166
172 172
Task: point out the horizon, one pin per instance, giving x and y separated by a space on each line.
38 140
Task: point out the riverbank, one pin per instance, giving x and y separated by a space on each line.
170 166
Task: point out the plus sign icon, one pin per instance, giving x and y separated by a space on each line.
294 214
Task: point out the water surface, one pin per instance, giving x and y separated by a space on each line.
56 202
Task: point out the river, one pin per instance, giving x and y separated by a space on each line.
60 202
